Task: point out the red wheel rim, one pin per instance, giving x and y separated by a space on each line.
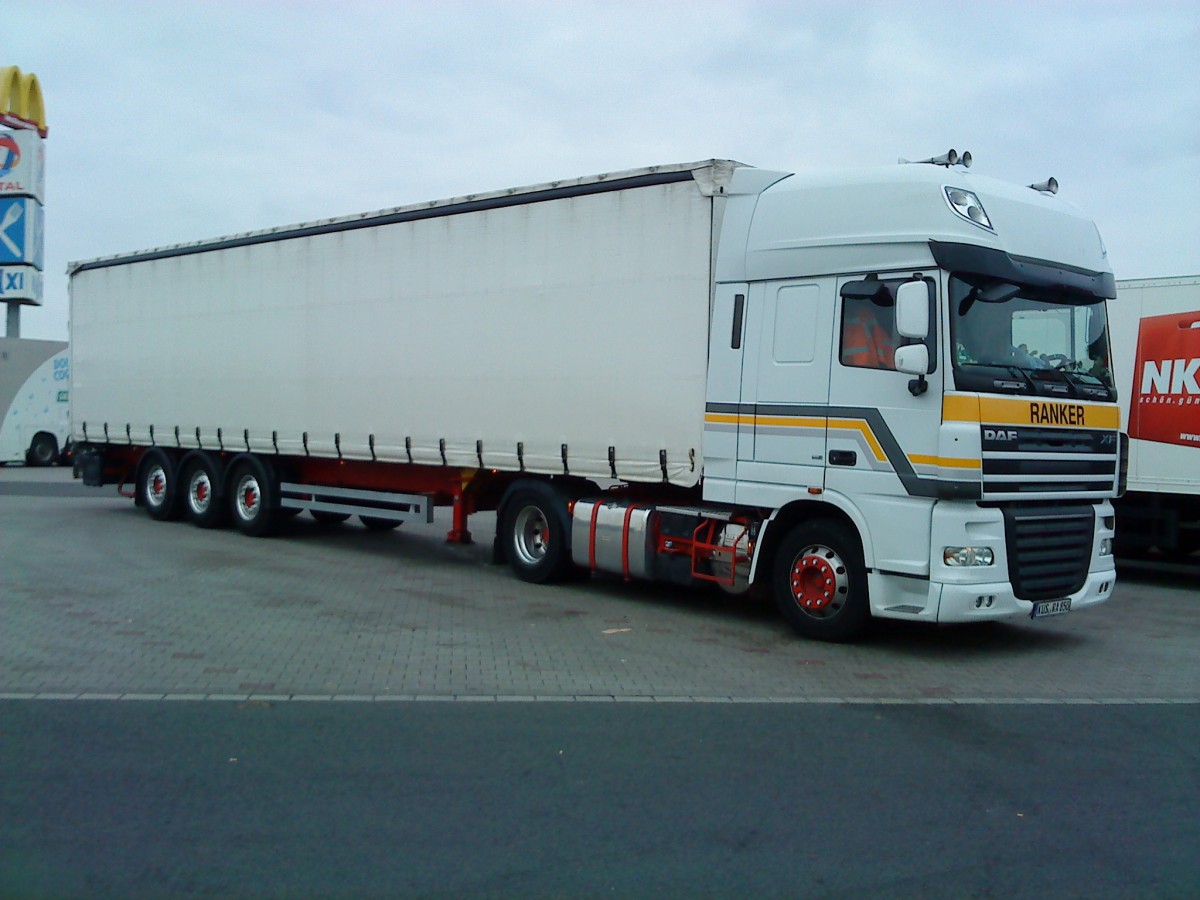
814 582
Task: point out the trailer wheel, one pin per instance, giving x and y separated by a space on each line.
203 490
254 497
328 518
374 523
43 450
536 532
157 488
820 581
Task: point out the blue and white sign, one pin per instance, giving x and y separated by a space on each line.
22 237
20 284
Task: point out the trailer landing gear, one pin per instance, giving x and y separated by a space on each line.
459 533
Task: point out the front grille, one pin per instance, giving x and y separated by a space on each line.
1027 439
1036 465
1023 461
1049 549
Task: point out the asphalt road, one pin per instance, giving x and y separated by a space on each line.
574 799
343 714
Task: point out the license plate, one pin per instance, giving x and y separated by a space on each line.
1051 608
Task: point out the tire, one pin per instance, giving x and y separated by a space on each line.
374 523
158 486
820 581
328 518
43 450
254 496
536 532
203 490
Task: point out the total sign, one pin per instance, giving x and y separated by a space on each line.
22 165
20 284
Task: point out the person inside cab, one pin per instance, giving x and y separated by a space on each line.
868 334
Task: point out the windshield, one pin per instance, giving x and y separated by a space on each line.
1018 340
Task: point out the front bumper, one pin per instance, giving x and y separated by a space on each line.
989 602
956 594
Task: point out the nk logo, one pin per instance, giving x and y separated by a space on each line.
1170 376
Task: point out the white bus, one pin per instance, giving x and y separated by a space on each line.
35 381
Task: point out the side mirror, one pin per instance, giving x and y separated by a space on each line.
869 289
912 359
912 312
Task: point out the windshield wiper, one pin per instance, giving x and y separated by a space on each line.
1018 373
1088 385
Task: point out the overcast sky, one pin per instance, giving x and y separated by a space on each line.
181 120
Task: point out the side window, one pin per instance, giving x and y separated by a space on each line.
796 309
869 337
868 328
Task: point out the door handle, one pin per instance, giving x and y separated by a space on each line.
843 458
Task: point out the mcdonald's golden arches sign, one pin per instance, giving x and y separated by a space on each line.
21 104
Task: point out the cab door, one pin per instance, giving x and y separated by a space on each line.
786 381
884 425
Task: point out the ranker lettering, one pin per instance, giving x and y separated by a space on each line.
1056 414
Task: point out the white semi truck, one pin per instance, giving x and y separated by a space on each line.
35 408
704 372
1156 355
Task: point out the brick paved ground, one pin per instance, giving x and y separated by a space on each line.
97 599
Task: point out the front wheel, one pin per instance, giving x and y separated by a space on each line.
820 581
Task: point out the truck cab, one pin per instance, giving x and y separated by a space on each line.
919 356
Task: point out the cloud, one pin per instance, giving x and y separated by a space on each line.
174 122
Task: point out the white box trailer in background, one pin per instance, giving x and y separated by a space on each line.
35 410
694 336
1156 355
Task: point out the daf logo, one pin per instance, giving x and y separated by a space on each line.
994 434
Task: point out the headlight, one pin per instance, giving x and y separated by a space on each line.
968 556
968 206
1106 546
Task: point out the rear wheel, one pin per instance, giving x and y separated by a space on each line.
43 450
157 488
536 532
203 497
328 518
374 523
820 581
254 497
